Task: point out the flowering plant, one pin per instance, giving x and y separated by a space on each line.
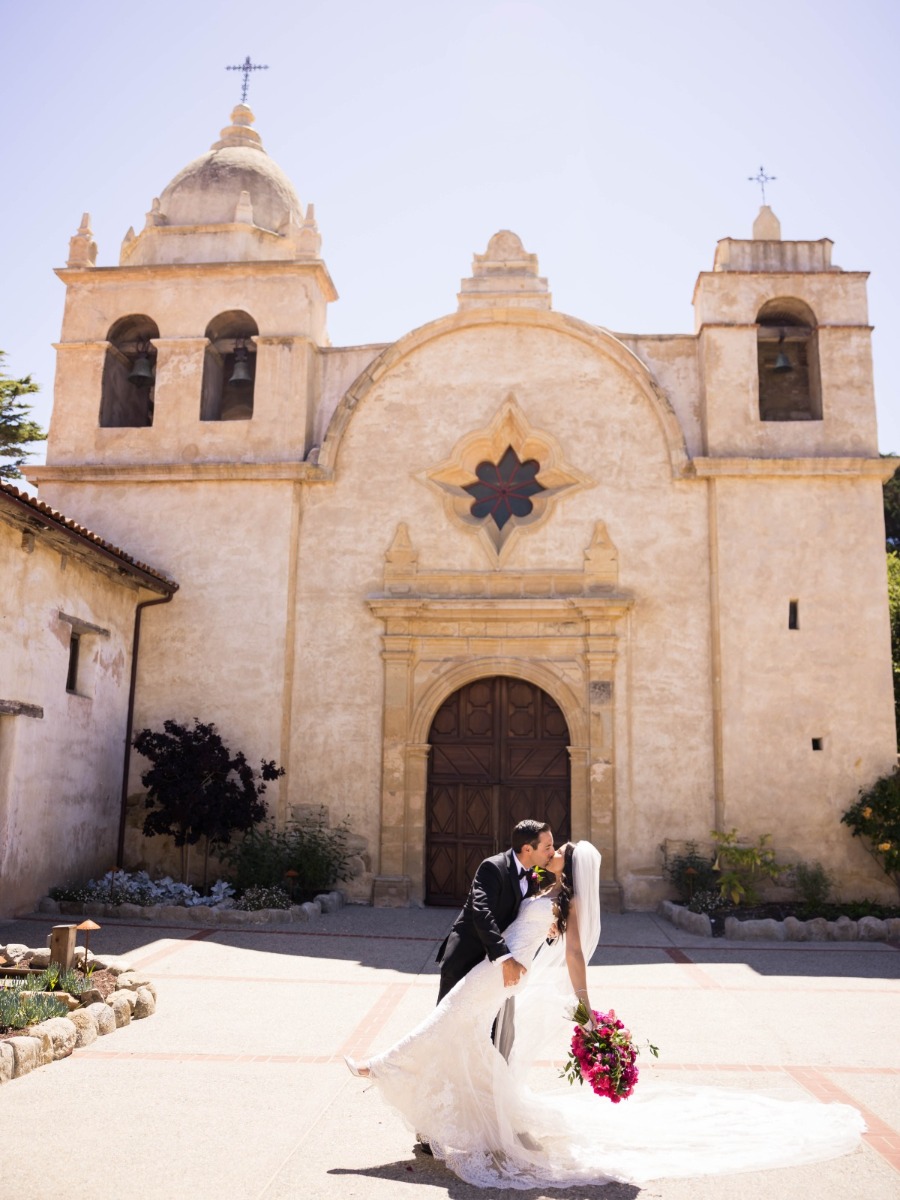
603 1055
876 817
124 887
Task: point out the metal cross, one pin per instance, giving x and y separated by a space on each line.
246 66
762 178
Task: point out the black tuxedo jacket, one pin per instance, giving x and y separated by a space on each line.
491 905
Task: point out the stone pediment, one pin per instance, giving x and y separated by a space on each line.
598 578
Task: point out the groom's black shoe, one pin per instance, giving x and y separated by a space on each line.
425 1148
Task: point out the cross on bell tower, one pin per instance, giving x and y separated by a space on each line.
246 67
762 178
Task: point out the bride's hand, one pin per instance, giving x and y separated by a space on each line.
512 972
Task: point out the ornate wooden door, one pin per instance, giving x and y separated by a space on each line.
499 754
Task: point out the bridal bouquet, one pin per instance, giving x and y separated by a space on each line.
604 1056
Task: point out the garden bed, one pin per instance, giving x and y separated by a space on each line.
116 995
223 914
781 922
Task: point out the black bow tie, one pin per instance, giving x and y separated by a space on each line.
524 871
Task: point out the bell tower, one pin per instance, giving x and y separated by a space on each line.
794 504
784 350
200 346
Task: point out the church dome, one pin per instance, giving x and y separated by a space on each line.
232 204
208 190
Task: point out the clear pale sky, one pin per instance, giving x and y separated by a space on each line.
615 138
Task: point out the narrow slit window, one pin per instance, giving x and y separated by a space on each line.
72 676
817 743
794 614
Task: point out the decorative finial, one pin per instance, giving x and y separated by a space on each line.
82 247
246 67
762 179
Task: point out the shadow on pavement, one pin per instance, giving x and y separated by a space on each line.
425 1170
406 940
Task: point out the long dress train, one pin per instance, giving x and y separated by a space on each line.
448 1082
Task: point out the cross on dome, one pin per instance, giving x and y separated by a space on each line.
246 67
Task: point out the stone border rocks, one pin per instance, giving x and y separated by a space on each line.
791 929
134 998
198 914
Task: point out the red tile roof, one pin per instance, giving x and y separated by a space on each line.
42 515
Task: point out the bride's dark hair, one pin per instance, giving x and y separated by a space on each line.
567 881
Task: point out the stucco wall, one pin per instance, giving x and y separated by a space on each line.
407 424
813 541
60 775
217 651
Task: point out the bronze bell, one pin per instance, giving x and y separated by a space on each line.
141 373
782 363
242 375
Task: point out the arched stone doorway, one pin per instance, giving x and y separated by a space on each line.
499 753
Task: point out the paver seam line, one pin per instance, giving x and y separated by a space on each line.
199 935
360 1038
429 980
358 1042
693 971
331 1059
302 1137
880 1135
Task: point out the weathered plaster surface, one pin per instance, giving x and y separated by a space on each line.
60 774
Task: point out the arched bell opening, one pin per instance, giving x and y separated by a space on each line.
229 368
499 753
129 373
788 362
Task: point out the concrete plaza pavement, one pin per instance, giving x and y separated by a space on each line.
235 1087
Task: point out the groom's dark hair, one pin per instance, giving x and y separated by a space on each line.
528 833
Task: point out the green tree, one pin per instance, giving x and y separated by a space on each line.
893 564
892 545
197 789
892 509
16 427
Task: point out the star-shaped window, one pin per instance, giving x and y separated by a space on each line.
503 489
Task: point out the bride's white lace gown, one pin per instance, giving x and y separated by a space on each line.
453 1088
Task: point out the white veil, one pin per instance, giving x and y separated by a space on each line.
586 872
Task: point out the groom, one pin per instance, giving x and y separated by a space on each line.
499 886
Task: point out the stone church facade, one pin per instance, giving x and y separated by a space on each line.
511 564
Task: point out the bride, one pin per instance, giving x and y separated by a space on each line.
449 1083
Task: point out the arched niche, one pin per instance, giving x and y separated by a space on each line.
229 368
788 362
129 371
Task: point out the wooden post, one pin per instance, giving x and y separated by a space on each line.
62 945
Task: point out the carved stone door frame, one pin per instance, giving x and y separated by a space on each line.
432 645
